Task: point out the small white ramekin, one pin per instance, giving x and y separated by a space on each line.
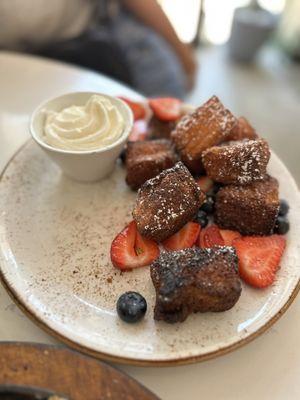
85 166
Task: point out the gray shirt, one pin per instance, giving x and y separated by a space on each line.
39 22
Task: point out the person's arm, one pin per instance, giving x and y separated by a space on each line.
151 14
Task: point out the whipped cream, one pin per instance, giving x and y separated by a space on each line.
93 126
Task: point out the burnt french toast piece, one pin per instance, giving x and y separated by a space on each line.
146 159
242 130
195 280
166 203
250 209
158 129
240 162
207 126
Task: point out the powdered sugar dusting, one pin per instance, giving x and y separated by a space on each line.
209 113
195 280
207 126
166 202
237 162
146 159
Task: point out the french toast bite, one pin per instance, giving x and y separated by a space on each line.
207 126
161 129
158 129
240 162
250 209
242 130
195 280
166 203
146 159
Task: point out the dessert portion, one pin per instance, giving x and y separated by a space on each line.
166 108
259 258
185 238
195 280
131 307
130 250
146 159
250 209
240 162
242 130
158 129
166 203
93 126
282 224
138 108
139 132
195 231
207 126
166 113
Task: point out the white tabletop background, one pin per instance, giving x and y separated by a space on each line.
269 367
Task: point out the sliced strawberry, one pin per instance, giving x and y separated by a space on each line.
139 131
130 250
210 237
259 258
229 236
183 239
205 183
138 109
166 108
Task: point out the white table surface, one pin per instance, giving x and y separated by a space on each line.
268 368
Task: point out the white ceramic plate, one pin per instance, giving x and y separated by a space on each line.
55 236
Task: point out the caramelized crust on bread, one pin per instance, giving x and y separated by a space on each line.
240 162
207 126
195 280
242 130
166 203
250 209
146 159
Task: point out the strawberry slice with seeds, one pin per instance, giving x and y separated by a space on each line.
139 131
205 183
183 239
259 258
138 109
210 237
166 108
130 250
229 236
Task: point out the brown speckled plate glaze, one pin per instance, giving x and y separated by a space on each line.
55 237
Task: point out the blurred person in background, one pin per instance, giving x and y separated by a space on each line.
130 40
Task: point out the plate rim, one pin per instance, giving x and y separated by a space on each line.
128 360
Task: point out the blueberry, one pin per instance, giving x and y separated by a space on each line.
202 218
209 205
282 226
213 197
283 208
216 188
131 307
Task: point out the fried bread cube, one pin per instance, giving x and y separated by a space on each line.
146 159
250 209
207 126
158 129
195 280
240 162
242 130
166 203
